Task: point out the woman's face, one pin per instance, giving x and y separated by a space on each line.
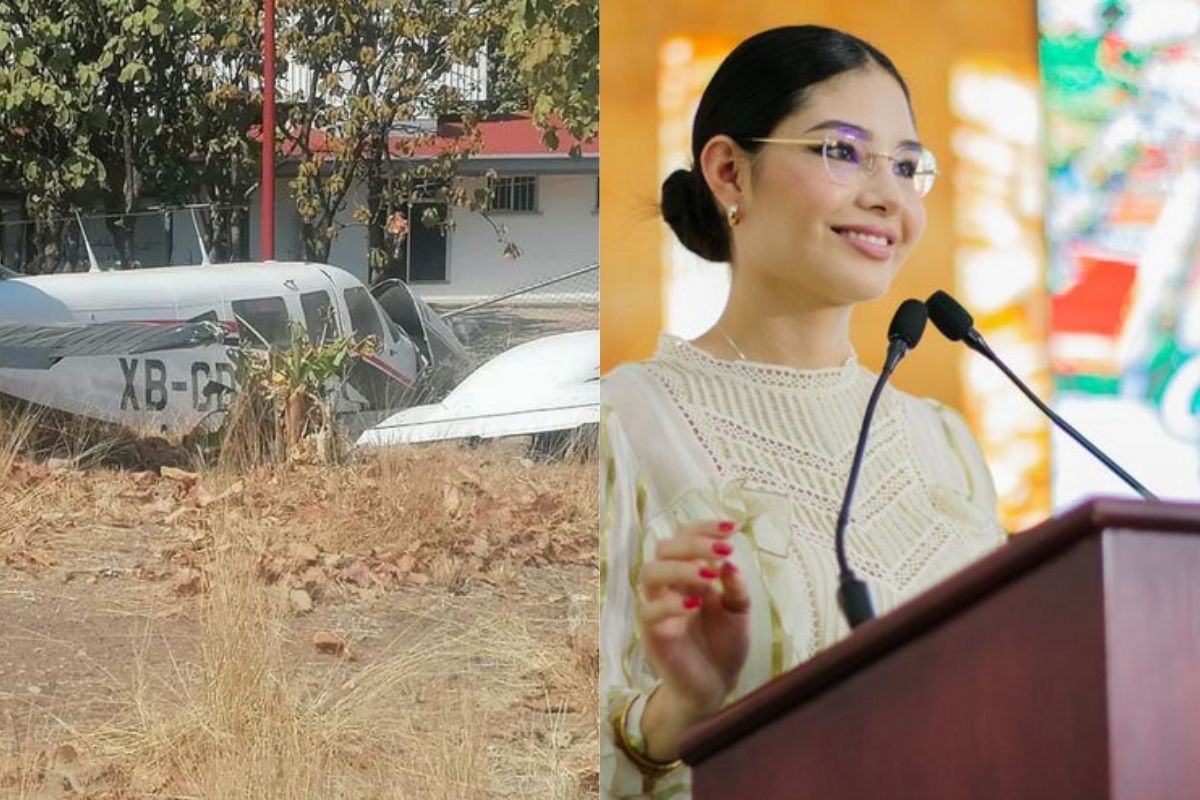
802 231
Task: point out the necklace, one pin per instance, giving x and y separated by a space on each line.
741 356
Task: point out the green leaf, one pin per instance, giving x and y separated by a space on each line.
132 71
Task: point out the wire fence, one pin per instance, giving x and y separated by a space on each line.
160 237
566 303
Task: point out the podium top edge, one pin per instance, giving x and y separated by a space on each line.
874 640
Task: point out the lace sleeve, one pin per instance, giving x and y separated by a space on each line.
982 488
624 673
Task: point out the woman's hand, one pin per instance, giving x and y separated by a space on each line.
695 621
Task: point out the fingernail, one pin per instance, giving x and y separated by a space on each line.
732 567
722 548
709 573
691 601
727 526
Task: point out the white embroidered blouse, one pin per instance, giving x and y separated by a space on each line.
688 436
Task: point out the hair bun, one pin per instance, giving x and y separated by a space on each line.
690 209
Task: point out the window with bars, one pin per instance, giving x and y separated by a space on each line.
515 193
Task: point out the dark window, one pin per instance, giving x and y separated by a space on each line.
363 317
319 317
426 250
515 193
268 319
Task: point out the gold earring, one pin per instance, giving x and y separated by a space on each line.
733 215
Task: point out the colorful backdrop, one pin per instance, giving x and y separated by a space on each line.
1121 83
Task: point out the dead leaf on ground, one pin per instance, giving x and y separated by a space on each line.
191 583
144 477
179 475
358 573
333 644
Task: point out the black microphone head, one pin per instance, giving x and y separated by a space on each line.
908 323
954 321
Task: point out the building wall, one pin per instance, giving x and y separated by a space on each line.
349 249
562 235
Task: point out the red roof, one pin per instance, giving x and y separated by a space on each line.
512 137
520 137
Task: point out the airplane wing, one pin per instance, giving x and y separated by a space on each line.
25 346
549 384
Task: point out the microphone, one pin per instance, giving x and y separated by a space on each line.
853 596
957 325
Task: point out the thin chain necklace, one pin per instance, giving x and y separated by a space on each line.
741 356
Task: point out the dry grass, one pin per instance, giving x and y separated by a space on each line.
250 727
15 430
49 435
459 576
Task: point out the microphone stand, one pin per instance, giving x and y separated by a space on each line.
975 341
853 596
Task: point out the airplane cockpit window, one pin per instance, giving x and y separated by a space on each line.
267 316
394 330
363 316
319 317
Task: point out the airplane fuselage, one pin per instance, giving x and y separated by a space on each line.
173 389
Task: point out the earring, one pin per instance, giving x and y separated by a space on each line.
733 215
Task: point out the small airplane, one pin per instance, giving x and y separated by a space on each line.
152 348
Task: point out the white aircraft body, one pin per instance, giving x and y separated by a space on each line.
548 384
148 348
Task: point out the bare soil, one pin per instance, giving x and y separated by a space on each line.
467 577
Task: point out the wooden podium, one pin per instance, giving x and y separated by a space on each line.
1064 665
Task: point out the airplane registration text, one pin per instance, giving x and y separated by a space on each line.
210 386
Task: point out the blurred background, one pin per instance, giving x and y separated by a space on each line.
1066 217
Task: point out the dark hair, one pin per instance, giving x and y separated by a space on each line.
762 81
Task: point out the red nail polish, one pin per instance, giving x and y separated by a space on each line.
722 549
726 527
729 565
708 573
691 601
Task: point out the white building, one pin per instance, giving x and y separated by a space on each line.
548 202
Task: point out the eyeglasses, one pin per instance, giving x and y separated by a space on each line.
847 159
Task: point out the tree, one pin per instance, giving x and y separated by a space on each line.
104 103
144 92
98 99
226 105
554 47
377 69
47 118
110 102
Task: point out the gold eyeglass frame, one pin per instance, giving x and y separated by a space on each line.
868 165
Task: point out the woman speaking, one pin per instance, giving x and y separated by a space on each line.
724 458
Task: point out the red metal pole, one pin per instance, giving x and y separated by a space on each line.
267 223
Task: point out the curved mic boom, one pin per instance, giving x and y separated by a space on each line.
957 325
854 598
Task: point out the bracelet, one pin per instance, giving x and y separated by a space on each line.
636 751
